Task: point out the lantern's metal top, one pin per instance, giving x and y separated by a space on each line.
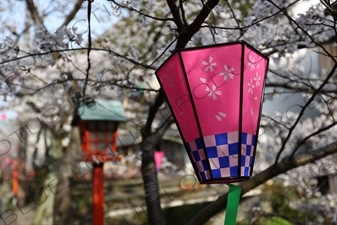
107 110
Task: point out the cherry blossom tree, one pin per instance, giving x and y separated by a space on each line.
73 62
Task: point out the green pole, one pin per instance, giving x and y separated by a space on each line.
233 200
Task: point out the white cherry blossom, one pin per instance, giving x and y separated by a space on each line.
251 86
251 63
257 79
212 92
227 73
220 116
209 65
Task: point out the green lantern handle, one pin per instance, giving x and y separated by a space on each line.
233 200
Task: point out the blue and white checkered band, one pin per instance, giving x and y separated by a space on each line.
223 155
197 154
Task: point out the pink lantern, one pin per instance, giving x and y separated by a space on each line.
215 94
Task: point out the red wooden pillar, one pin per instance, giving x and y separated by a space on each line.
15 184
98 194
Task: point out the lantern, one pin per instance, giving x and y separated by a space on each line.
98 132
215 95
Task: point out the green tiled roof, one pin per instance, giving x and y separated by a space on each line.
103 110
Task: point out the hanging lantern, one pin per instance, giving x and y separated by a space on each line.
215 94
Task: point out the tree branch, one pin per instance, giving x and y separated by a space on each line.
304 140
131 9
146 130
72 14
284 216
28 55
33 11
182 10
176 15
292 128
283 166
186 34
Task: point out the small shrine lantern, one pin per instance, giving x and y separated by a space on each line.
98 130
215 94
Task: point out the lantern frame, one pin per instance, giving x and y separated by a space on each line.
213 179
98 130
98 141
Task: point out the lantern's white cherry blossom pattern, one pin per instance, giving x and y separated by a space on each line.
227 73
209 65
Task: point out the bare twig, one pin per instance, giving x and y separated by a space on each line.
176 15
34 13
74 50
89 46
332 72
182 10
130 8
72 14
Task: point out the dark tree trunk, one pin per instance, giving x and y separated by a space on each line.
150 180
23 187
62 203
